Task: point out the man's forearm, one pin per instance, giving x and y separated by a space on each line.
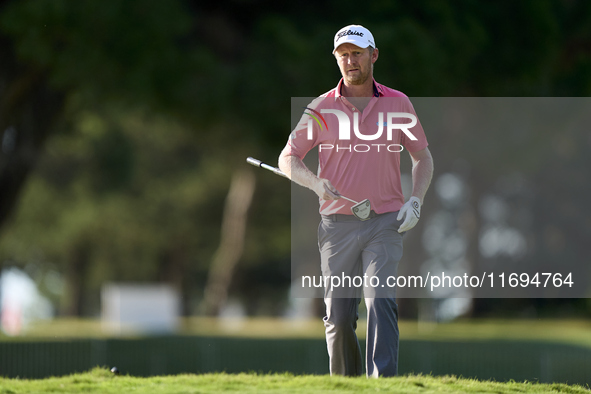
297 171
422 172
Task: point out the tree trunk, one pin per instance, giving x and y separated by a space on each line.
76 280
28 110
231 243
172 269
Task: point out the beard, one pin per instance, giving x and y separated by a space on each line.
360 77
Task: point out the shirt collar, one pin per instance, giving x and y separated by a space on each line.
377 89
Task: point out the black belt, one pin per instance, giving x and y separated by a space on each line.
339 217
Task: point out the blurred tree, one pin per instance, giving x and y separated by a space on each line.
61 60
105 64
28 111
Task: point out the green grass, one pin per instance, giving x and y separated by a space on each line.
100 380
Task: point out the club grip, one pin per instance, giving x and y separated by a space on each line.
254 162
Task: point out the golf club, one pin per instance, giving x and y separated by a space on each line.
360 210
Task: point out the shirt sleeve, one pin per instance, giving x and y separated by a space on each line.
417 131
304 136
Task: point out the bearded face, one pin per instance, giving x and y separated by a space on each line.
356 64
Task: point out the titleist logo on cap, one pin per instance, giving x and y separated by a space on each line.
349 33
353 34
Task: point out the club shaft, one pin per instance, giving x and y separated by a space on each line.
348 199
258 163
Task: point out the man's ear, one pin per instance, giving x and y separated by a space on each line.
374 55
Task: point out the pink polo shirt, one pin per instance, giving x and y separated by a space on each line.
359 161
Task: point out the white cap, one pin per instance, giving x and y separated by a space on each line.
354 34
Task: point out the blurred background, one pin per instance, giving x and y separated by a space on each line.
125 126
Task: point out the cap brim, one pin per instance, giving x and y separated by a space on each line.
351 41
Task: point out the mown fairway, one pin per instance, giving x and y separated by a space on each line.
100 380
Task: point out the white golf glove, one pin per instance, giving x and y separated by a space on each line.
411 212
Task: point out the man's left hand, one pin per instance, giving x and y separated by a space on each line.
411 212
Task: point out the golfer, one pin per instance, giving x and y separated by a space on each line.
360 129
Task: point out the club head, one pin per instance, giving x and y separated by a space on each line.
362 209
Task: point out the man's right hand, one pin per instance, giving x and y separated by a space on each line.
325 190
297 171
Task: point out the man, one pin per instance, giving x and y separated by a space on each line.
363 164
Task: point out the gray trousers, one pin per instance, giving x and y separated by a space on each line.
361 251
